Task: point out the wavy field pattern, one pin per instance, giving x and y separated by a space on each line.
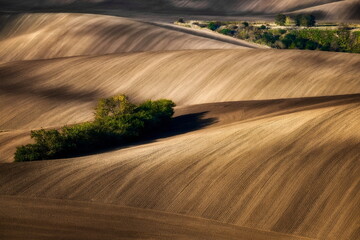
222 174
64 91
264 144
43 36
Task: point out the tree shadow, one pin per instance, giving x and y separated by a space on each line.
178 125
185 123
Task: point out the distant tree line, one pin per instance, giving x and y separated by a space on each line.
306 20
343 39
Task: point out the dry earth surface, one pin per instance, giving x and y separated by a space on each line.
264 144
93 219
292 172
262 9
46 93
39 36
335 11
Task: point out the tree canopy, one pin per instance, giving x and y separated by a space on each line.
280 19
306 20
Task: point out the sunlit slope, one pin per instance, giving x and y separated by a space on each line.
9 141
47 93
39 36
295 173
25 218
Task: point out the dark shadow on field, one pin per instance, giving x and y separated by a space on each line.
179 125
185 123
33 87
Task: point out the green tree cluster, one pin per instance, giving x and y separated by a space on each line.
245 24
227 31
280 19
117 121
293 41
327 40
306 20
343 39
213 25
181 20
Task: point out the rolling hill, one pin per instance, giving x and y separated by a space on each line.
264 144
44 36
244 8
337 11
89 221
55 92
294 172
226 6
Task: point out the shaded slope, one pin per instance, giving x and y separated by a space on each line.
295 173
39 36
47 93
339 11
198 6
170 10
25 218
247 6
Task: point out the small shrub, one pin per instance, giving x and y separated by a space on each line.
288 40
226 31
262 27
269 38
325 47
282 31
279 44
289 21
245 24
181 20
232 27
298 20
214 25
311 45
300 43
280 19
305 20
243 34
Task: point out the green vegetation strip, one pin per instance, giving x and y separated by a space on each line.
340 40
117 121
298 33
